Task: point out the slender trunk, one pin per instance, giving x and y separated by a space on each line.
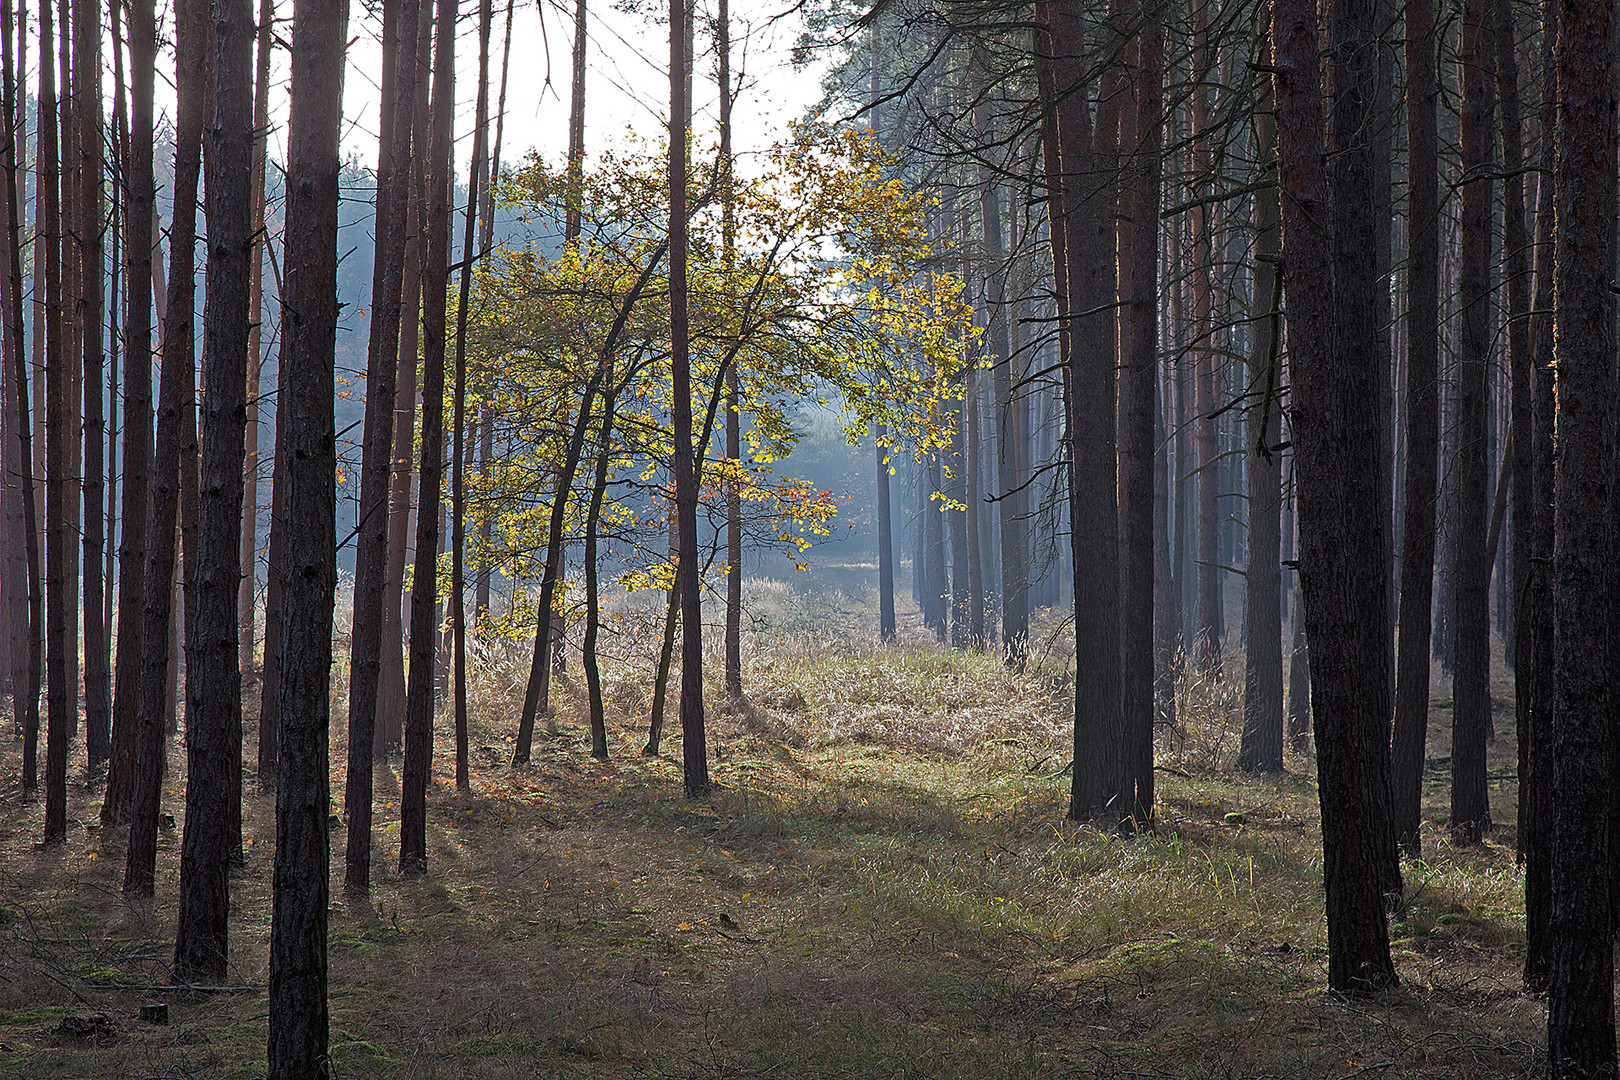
213 680
1534 682
1262 745
1422 426
420 705
192 29
1471 712
247 594
391 679
593 677
728 228
694 750
365 660
458 622
298 980
1139 291
26 670
1208 639
58 589
1338 532
97 655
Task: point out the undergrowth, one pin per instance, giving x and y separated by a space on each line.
881 884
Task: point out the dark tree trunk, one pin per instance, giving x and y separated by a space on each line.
27 659
247 596
1099 785
371 553
1422 425
213 680
1580 999
298 1008
391 679
1471 711
420 705
593 678
1014 571
1139 249
1208 640
191 26
97 655
734 529
694 749
936 594
1262 744
1534 680
458 492
1339 533
59 591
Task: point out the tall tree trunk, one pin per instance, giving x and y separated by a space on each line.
1534 681
192 31
59 591
1262 743
213 680
1471 712
132 544
247 595
371 556
420 705
1078 229
593 677
734 528
1209 638
1338 532
97 654
1014 572
1580 1000
298 1007
391 679
1422 424
1139 361
27 660
458 620
694 750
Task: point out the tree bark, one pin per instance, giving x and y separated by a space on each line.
1422 425
1339 534
59 592
1471 712
694 749
382 362
420 705
213 680
1580 1000
1261 749
298 962
191 25
92 166
248 596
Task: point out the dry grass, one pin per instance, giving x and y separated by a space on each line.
905 899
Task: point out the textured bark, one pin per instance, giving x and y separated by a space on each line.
419 702
1422 425
1139 341
247 596
1580 1000
391 679
694 748
1339 534
458 488
191 25
298 1008
1099 786
91 235
382 363
1471 712
1261 749
734 528
213 680
1534 682
26 661
593 677
59 591
1208 639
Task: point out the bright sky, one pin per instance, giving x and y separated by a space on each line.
626 84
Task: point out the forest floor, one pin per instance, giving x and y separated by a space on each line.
881 885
